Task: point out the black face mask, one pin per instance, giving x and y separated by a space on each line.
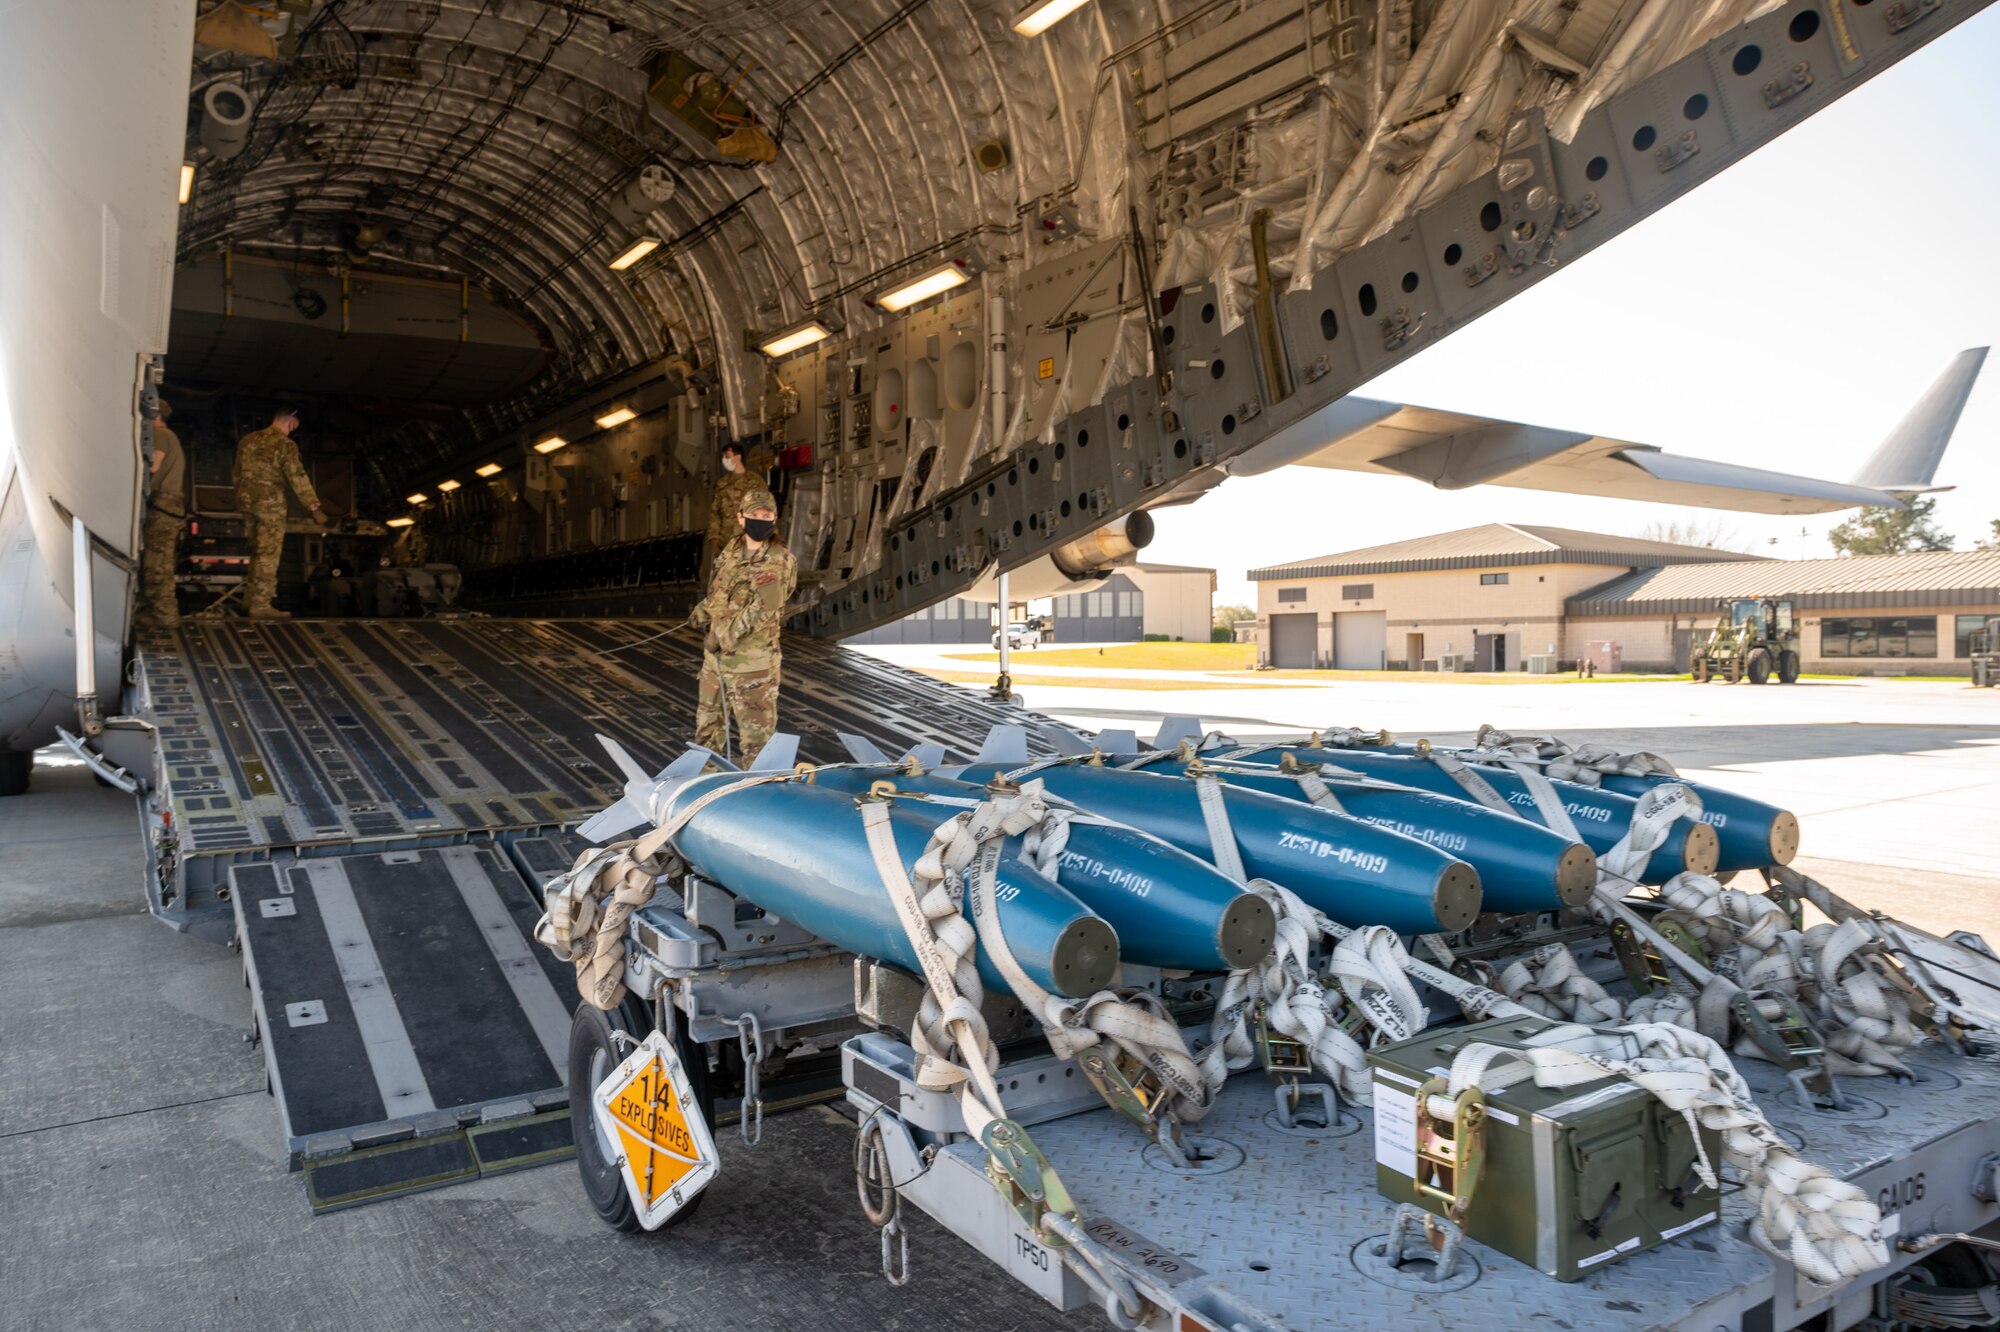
759 529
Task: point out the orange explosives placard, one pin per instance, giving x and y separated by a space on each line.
646 1109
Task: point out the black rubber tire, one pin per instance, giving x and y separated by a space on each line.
15 766
1758 667
1788 668
592 1055
1701 672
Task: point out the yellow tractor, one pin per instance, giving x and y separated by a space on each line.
1754 640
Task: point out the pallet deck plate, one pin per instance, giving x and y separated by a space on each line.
403 1002
1272 1225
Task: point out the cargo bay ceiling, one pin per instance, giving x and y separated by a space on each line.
1157 242
801 153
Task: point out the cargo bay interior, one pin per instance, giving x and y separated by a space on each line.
973 297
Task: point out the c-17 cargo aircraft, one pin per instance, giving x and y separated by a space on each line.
975 285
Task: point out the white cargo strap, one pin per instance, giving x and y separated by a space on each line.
1313 786
1862 1016
1215 819
1658 810
960 863
587 907
1146 760
1830 1229
1368 969
1586 764
1353 737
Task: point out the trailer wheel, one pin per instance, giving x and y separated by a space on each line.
1759 667
593 1053
15 765
1788 668
1700 670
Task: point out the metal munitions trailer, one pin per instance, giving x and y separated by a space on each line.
1271 1224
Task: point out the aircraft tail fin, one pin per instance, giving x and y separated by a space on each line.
1173 730
925 754
1906 461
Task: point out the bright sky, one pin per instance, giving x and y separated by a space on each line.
1783 315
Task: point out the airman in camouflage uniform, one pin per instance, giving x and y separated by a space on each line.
754 578
267 461
166 514
726 503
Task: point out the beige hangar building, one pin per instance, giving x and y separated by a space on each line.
1508 596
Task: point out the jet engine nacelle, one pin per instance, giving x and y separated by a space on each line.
1080 566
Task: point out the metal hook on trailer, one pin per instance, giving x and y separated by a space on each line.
750 1041
871 1172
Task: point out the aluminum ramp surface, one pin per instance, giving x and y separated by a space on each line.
413 1031
315 734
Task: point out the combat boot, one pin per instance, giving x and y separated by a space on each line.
268 613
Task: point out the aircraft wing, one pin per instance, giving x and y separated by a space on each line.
1452 451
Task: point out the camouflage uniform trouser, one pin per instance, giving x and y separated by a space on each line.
753 702
266 517
156 566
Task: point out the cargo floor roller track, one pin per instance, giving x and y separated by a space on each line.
322 734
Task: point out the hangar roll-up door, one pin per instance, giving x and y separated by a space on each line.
1294 641
1360 640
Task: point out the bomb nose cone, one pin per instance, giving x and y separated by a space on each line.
1456 898
1085 957
1247 931
1576 875
1784 837
1704 849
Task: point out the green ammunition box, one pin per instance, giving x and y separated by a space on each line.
1563 1179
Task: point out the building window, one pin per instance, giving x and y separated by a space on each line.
1356 591
1097 606
1492 580
949 610
1129 605
1968 625
924 613
1291 594
1879 636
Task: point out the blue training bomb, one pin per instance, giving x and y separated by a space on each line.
800 853
1357 873
1602 817
1522 866
1169 908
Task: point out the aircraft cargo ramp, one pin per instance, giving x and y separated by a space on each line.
368 807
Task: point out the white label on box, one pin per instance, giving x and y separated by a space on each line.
1395 1129
1397 1077
1686 1226
1597 1258
1034 1264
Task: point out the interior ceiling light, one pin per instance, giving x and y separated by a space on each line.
616 416
187 181
488 469
934 283
447 486
551 444
399 522
1039 17
418 498
800 335
634 252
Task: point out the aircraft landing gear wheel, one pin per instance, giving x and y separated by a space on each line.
1759 666
592 1055
15 765
1788 668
